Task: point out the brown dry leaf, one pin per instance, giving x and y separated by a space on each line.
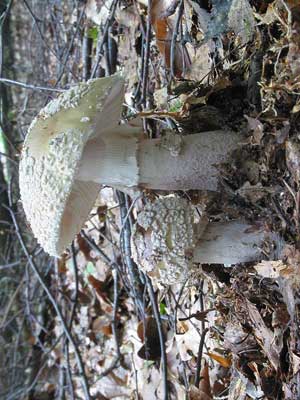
257 129
294 43
292 152
176 115
119 381
296 108
295 363
199 315
254 193
264 335
101 212
204 385
162 20
269 16
148 333
236 339
292 256
201 62
198 394
100 289
273 269
242 388
102 324
83 298
192 99
188 342
84 247
61 265
241 20
224 361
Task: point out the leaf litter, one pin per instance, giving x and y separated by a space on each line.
232 64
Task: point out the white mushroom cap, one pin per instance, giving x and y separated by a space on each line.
163 239
56 203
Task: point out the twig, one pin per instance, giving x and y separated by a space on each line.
3 17
105 258
184 313
177 303
10 303
10 265
34 380
146 58
87 46
8 157
174 37
94 246
115 361
76 280
74 305
135 378
67 332
125 235
201 301
71 43
101 43
160 334
36 21
199 358
112 51
28 86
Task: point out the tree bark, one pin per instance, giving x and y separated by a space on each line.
6 62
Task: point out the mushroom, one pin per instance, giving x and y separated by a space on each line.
166 241
76 143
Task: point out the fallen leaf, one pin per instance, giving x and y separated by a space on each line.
84 247
100 289
148 333
254 193
102 324
242 388
199 315
224 361
198 394
162 15
257 129
264 335
271 269
231 15
204 385
292 152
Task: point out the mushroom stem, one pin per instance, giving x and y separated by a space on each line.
229 243
193 168
111 163
149 163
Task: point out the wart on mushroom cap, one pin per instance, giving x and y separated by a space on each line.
55 202
163 239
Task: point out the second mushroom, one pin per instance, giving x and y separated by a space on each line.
168 240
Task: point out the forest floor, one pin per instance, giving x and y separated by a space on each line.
220 331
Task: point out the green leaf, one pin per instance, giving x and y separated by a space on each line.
162 309
93 33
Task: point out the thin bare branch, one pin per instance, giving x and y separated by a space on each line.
161 336
102 40
67 332
28 86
